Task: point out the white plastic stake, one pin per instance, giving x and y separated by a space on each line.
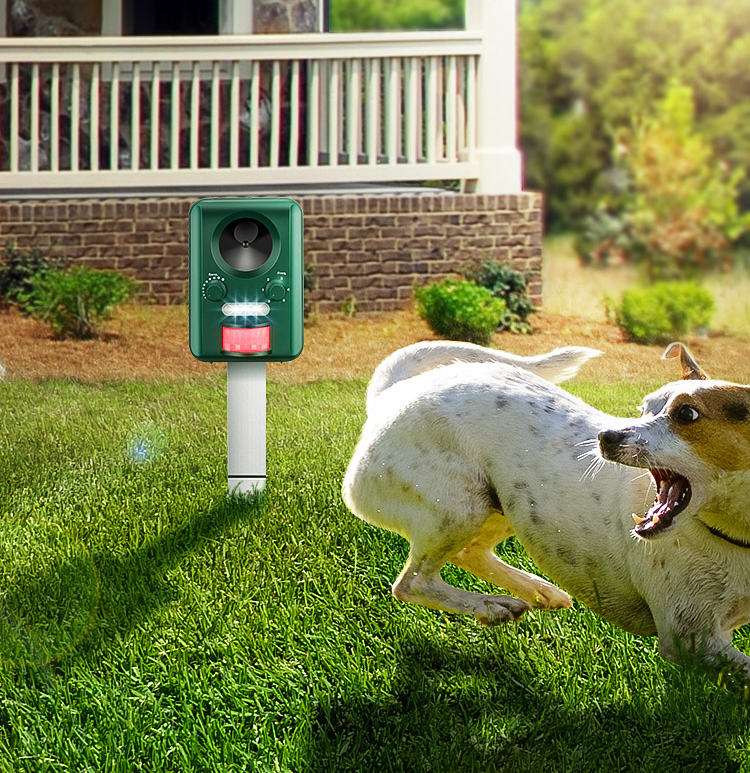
246 427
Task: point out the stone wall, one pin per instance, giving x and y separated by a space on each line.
364 250
285 15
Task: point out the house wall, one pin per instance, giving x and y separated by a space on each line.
370 248
84 17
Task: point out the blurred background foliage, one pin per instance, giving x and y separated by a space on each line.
370 15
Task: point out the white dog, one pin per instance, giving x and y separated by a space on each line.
464 446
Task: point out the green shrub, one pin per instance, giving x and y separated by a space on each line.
75 301
603 238
510 285
460 310
663 311
679 215
17 269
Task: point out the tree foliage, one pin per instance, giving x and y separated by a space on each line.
683 206
677 215
589 68
366 15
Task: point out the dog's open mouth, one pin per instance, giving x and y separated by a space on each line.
672 497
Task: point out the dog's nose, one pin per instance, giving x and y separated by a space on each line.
609 440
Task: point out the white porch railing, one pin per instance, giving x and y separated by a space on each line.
105 113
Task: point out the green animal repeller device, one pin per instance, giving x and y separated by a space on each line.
246 309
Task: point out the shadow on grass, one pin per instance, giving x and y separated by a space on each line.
508 719
62 598
133 587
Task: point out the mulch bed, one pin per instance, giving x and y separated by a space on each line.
151 342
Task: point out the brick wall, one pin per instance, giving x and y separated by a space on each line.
371 248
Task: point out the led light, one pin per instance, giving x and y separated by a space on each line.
245 309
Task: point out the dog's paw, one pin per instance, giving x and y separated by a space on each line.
501 609
548 596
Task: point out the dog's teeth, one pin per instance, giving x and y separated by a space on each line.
638 520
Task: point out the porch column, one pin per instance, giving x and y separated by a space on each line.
235 17
497 112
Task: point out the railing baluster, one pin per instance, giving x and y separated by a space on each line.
334 121
450 110
54 119
412 111
313 107
393 109
15 110
135 117
354 112
75 118
294 110
155 114
234 117
195 115
175 114
34 119
275 113
461 108
215 115
372 110
254 108
94 118
439 121
471 107
420 107
114 117
432 129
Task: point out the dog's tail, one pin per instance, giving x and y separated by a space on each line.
555 366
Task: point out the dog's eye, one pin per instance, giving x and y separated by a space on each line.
687 414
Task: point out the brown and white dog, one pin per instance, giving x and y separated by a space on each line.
464 446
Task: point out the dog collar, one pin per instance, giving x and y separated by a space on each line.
738 542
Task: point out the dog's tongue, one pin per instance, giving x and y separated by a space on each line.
670 495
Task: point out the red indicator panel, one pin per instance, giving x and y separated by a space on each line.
246 340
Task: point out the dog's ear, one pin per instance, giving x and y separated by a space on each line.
690 368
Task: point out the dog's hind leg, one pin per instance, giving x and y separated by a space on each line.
478 558
420 583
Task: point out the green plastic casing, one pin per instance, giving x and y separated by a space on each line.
207 269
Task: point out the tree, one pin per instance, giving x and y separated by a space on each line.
589 67
366 15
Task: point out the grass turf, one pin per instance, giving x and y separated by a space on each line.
148 622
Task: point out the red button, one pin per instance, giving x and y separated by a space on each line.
246 340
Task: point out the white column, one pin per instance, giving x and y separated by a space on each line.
111 18
497 119
235 17
246 427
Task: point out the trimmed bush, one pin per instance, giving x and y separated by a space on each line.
510 285
74 302
460 310
17 268
663 311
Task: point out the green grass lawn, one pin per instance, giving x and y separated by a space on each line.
148 622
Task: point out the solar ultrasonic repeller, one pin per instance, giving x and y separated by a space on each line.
246 309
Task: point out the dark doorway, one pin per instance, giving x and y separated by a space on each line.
170 17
